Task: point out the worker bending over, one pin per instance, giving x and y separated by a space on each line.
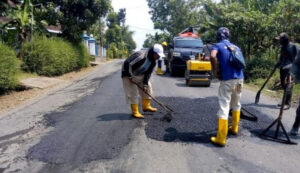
137 69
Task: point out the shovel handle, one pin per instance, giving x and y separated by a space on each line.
158 102
270 75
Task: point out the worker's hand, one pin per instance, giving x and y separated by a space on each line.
206 58
146 89
287 67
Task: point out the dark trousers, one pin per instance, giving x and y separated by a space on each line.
283 75
159 63
167 65
297 120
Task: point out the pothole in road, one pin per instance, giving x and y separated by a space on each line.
195 120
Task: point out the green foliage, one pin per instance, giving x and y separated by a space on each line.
8 68
112 51
53 56
253 24
156 38
118 38
260 66
75 16
83 56
20 19
175 15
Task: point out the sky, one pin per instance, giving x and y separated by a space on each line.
137 18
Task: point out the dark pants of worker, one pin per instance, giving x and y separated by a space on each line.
159 63
167 65
297 120
283 75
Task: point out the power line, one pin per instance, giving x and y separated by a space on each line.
146 29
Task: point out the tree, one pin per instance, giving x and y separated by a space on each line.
76 16
130 44
118 38
156 38
19 18
122 17
175 15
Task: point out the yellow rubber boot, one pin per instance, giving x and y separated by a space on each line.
159 72
135 111
234 128
220 139
147 107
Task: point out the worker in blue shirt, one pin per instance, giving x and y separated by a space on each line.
230 89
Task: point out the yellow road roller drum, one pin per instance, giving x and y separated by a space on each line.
198 73
198 65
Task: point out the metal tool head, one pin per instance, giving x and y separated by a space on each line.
167 117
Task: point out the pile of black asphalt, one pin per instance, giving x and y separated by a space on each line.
195 120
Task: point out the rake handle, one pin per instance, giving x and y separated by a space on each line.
158 102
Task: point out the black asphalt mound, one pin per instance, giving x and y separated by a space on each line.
195 120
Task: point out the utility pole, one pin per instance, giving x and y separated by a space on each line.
31 34
100 37
100 27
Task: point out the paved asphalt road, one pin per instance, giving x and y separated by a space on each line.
87 127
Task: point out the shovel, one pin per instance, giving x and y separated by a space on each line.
168 116
262 87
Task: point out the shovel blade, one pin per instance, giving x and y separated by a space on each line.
167 117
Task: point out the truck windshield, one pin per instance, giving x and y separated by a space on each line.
189 43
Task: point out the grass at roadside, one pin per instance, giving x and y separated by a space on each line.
24 75
271 90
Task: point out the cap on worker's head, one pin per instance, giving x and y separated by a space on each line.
164 43
284 38
159 50
222 34
282 35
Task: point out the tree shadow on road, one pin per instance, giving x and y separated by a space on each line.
115 116
202 137
271 106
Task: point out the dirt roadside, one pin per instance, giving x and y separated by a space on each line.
17 99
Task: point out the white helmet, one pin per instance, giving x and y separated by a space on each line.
159 50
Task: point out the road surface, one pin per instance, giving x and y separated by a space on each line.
87 127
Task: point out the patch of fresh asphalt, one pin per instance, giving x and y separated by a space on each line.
194 120
96 127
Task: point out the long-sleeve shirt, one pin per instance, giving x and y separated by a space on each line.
287 55
139 63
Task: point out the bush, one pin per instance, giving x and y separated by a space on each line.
112 51
53 56
8 68
260 66
83 56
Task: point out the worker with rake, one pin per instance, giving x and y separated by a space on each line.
136 70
